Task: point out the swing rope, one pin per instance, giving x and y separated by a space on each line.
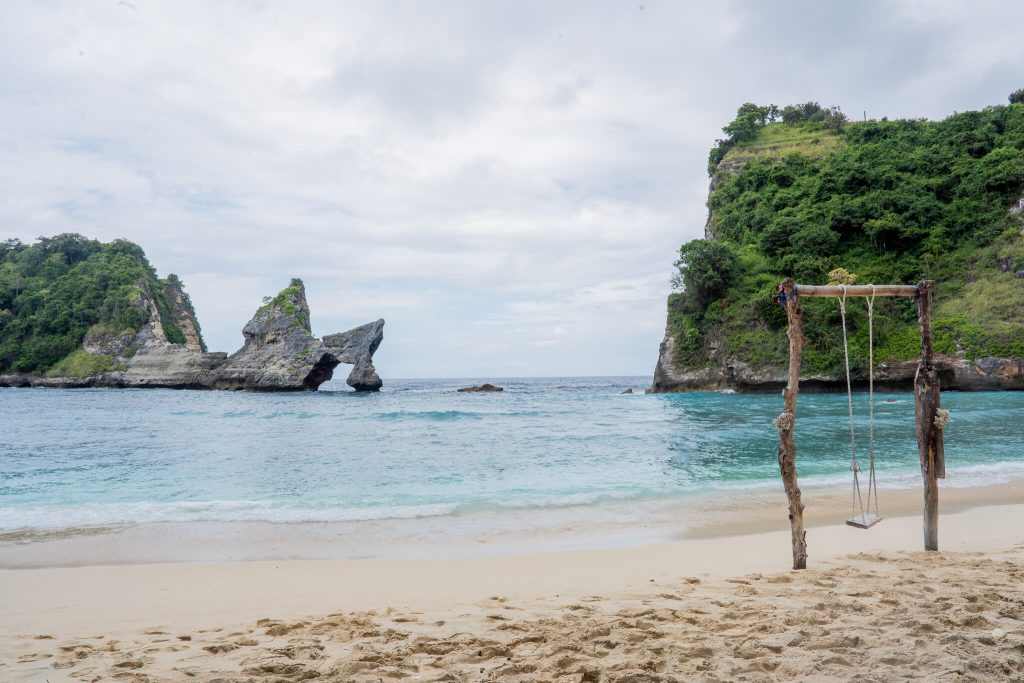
872 486
858 500
854 465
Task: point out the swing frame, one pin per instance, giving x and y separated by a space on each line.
926 403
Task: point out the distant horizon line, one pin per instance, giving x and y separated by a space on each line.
516 377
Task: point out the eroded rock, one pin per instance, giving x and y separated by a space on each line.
279 353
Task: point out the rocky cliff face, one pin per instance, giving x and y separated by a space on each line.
279 352
955 372
185 315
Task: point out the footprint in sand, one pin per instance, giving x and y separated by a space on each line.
130 664
35 657
220 647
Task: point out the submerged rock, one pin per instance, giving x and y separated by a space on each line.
483 388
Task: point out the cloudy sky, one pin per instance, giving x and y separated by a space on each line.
505 183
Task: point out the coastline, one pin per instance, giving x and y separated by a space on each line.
86 598
493 532
192 619
613 579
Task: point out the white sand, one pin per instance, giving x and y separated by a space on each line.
145 607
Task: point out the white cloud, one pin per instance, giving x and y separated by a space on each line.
505 183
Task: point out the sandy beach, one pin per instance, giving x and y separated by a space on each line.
712 608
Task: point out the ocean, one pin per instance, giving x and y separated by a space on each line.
111 459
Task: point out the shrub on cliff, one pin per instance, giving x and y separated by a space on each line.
705 271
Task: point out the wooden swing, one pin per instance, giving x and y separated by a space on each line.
866 519
929 418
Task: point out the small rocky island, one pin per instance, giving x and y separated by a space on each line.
279 353
485 388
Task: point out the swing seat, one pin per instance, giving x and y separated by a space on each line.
865 521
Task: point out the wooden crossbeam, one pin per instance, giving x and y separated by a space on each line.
857 290
926 407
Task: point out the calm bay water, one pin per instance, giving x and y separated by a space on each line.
419 449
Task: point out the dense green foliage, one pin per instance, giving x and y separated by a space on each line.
706 269
892 202
54 291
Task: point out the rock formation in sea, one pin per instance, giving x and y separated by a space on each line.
279 352
483 388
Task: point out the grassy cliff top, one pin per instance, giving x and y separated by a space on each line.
776 140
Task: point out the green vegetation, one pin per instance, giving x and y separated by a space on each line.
285 301
752 127
53 291
890 201
78 363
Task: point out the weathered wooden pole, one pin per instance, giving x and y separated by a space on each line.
787 421
926 409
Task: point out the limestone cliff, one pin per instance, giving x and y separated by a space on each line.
981 374
183 313
279 352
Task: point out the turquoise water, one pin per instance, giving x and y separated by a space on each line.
419 449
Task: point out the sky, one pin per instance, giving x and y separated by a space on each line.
505 183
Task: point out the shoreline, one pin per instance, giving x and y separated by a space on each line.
44 598
487 533
724 603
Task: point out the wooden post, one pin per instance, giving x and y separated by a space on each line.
926 406
787 421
